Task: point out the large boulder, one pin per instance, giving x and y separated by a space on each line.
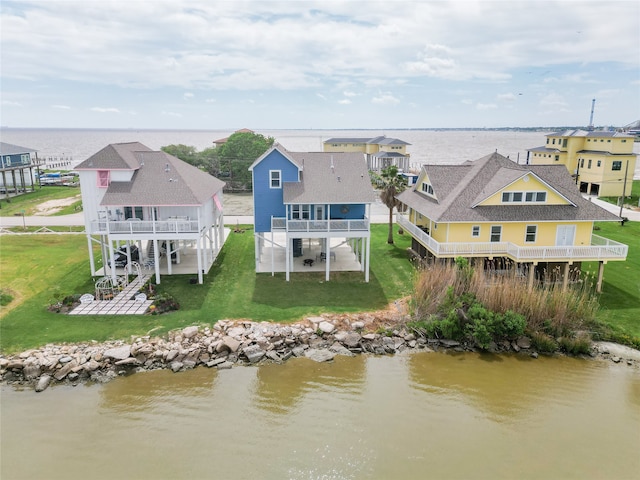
254 353
118 353
316 355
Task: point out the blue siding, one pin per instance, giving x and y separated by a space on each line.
268 202
356 211
15 160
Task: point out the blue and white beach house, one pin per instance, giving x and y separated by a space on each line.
311 212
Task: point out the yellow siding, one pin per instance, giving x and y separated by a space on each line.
344 147
532 185
513 232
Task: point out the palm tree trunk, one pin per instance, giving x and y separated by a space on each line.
390 239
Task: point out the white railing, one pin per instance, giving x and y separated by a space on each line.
601 248
144 226
342 225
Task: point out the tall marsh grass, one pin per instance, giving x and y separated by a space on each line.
546 307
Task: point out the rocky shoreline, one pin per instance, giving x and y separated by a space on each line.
234 343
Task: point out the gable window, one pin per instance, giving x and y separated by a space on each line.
557 158
589 164
616 165
103 178
274 179
599 163
624 141
496 233
427 188
535 197
530 235
475 231
508 197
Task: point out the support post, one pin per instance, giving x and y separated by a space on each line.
600 276
565 277
532 270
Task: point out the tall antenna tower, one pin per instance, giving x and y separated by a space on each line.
593 104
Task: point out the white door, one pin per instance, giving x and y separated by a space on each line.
319 212
565 235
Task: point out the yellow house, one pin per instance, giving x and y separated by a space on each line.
599 161
493 208
380 152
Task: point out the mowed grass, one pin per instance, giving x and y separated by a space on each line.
29 202
42 269
620 299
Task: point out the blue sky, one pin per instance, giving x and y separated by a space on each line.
202 64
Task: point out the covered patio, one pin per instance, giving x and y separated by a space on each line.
343 255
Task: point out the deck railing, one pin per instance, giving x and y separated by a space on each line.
600 249
144 226
313 226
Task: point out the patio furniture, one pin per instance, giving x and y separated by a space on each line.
86 298
323 256
307 262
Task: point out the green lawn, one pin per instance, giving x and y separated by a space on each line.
631 198
43 269
28 202
620 299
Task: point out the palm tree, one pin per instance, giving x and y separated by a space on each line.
392 184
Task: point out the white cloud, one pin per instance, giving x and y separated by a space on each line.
105 110
171 114
321 96
385 99
188 95
506 97
344 101
210 100
11 103
486 106
348 93
61 107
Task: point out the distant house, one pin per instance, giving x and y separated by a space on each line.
16 168
502 212
380 152
311 212
170 211
222 141
598 160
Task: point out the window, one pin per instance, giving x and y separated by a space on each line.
599 163
103 178
427 188
553 141
274 177
511 197
547 141
564 142
299 212
530 235
616 165
475 231
557 158
589 164
582 163
624 141
496 233
609 141
535 197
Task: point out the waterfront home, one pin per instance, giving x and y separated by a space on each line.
494 209
311 212
601 162
16 168
380 152
169 210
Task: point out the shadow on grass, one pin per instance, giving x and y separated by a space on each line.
344 291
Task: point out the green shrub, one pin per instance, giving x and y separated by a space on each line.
481 331
5 297
164 303
509 325
543 343
578 345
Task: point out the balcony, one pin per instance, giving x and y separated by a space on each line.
601 248
145 227
320 226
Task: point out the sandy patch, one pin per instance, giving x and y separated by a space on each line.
53 206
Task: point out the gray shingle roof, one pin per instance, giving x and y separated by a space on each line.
10 149
347 182
379 140
159 178
459 187
116 156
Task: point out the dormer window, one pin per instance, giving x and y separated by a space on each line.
427 188
103 178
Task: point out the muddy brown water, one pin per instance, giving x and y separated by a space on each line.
418 415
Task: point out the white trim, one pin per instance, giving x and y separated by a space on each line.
271 179
526 233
